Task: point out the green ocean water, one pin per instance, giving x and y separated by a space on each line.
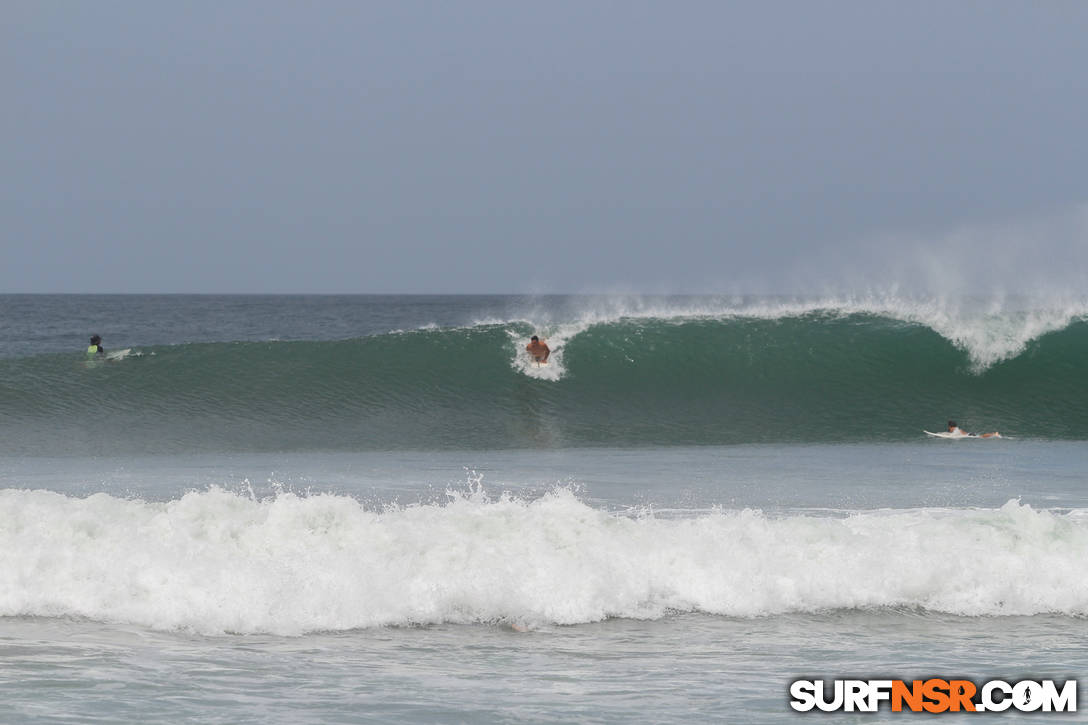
365 509
814 375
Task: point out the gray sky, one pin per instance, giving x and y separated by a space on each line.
265 146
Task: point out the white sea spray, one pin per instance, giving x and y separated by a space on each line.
215 561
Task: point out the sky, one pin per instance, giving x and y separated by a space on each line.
265 146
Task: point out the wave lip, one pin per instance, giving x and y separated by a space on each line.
989 329
217 562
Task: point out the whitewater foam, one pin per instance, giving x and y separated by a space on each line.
220 562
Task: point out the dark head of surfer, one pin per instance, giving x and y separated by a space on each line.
534 338
952 425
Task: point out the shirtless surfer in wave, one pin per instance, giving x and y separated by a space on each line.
538 349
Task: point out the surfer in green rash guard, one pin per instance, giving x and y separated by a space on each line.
95 349
953 428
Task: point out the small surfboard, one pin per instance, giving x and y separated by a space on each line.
118 354
960 435
946 434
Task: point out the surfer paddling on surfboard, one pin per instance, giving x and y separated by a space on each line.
539 350
957 431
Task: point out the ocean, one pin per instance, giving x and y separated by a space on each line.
340 509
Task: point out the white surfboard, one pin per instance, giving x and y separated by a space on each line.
118 354
960 435
946 434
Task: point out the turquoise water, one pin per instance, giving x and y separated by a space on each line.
254 374
306 535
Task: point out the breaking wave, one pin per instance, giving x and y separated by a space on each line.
222 562
628 375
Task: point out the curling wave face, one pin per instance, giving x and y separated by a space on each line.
629 374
